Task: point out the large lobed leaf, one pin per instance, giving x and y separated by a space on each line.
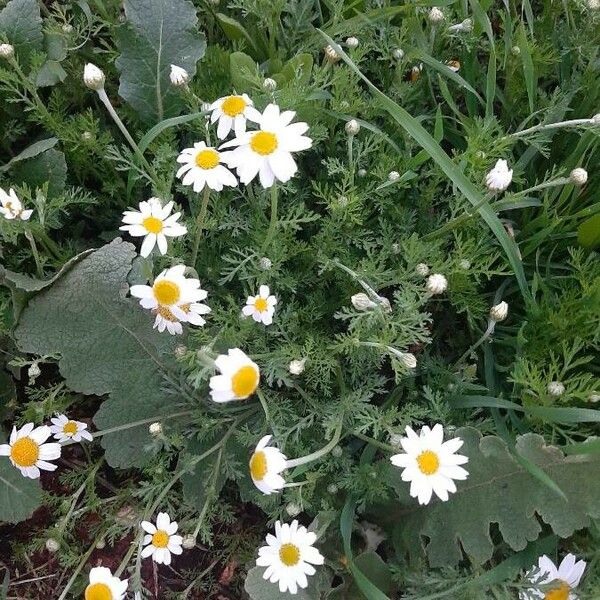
19 496
500 490
107 346
158 33
21 25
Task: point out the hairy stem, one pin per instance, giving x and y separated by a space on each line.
200 219
273 221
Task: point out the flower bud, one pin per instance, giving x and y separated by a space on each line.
436 15
594 398
93 77
292 509
332 488
556 388
396 248
408 359
34 371
67 28
499 312
101 544
296 367
331 55
269 84
422 269
361 301
337 451
189 541
499 178
352 127
393 176
206 108
155 429
467 26
179 76
362 172
86 136
596 119
352 42
52 545
180 351
264 264
578 176
398 53
465 264
515 51
436 284
7 51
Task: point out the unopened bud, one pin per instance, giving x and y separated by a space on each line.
101 544
578 176
330 54
352 127
265 263
180 351
292 509
34 371
352 42
179 76
7 51
296 367
393 176
398 54
361 301
408 359
499 312
396 248
467 25
93 77
189 541
436 15
436 284
155 429
337 451
269 84
594 398
465 264
67 28
556 388
362 172
332 488
596 119
422 269
515 50
52 545
87 136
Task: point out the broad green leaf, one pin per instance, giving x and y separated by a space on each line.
243 71
300 66
48 167
499 490
157 33
107 346
51 71
235 31
19 496
151 135
21 25
31 151
528 66
262 589
588 233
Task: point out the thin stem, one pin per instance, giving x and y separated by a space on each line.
488 332
351 158
549 126
263 403
374 442
210 492
34 250
296 462
543 186
201 217
273 221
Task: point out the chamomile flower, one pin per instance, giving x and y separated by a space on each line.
165 319
65 429
171 289
202 166
239 377
266 464
289 556
11 206
558 582
430 464
262 306
28 451
155 222
160 539
232 112
268 152
104 585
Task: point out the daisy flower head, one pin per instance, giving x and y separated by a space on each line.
261 307
155 223
11 207
430 464
160 539
28 451
232 112
166 319
104 585
203 166
289 556
239 377
558 582
266 464
65 429
268 152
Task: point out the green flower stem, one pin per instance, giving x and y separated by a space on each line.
543 186
273 222
550 126
487 333
210 492
350 144
374 442
34 251
200 219
265 407
296 462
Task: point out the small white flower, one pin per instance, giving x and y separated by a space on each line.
93 77
430 464
352 127
436 15
436 284
105 586
296 367
266 464
499 178
556 389
268 152
11 206
239 377
269 84
499 312
28 451
232 112
261 307
330 54
352 42
155 222
289 556
398 53
558 583
578 176
179 76
7 51
361 301
422 269
393 176
155 429
65 429
203 165
160 540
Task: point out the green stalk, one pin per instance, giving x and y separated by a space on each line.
273 221
200 223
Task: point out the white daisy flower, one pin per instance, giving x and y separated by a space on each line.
11 206
160 540
155 222
238 379
65 429
202 166
105 586
261 307
265 465
558 583
430 464
289 556
28 452
499 178
171 289
165 319
232 112
268 152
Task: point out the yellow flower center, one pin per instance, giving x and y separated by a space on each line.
263 143
244 381
152 224
70 428
233 106
258 465
160 539
166 292
207 159
25 452
559 593
98 591
289 555
260 304
428 462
